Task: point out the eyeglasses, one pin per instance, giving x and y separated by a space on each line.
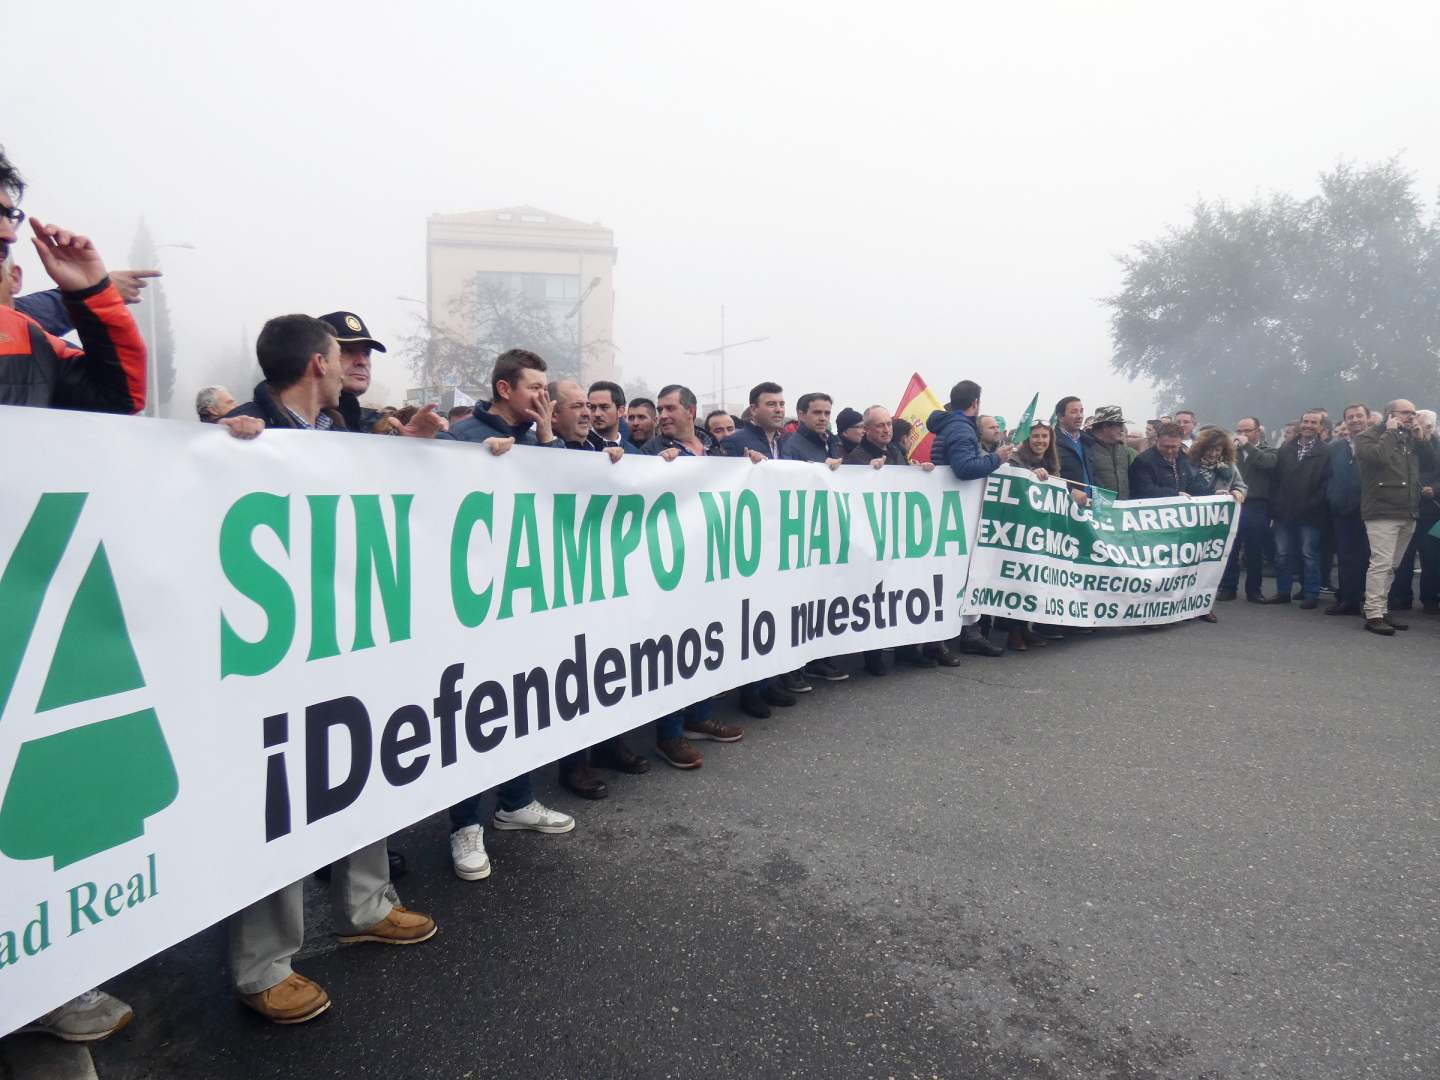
12 214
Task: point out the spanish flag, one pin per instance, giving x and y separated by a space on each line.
918 402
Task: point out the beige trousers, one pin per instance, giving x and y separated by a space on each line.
1389 537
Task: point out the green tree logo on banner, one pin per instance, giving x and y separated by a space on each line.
78 792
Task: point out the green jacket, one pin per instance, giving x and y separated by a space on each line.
1109 465
1257 465
1390 464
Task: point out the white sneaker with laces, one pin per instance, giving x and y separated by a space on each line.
535 817
467 853
91 1016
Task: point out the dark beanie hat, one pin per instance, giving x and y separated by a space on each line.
848 418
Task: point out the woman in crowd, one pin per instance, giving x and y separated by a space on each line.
1038 454
1213 455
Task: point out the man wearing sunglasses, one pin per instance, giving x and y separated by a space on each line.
38 369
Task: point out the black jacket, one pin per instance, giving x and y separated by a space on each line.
1152 477
805 445
1297 495
356 417
266 406
1073 465
867 452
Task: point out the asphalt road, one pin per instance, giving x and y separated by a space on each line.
1199 852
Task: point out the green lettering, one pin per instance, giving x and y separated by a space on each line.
792 527
666 579
530 574
471 607
952 524
717 533
569 546
376 562
747 521
842 512
919 526
625 529
259 582
323 638
820 528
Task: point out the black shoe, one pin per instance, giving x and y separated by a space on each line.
911 655
614 754
1049 633
583 781
976 645
752 704
1309 604
1380 626
1030 637
1254 598
775 694
826 670
796 683
1396 625
1278 598
875 664
942 655
1226 594
1343 609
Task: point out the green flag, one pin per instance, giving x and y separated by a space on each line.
1102 500
1023 431
1435 530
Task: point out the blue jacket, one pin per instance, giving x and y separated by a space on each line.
1074 465
1342 488
749 437
805 445
957 444
48 309
477 427
1152 477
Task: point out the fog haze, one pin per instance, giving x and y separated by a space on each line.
879 189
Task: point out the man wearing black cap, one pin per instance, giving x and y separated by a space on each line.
356 344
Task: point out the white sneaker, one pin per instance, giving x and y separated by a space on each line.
467 853
535 817
91 1016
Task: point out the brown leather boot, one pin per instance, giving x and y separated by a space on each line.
1015 640
292 1001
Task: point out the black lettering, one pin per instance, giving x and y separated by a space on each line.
687 657
651 651
609 669
277 781
575 671
393 744
447 706
714 646
836 616
321 799
477 716
538 680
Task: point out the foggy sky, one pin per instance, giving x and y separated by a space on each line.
881 189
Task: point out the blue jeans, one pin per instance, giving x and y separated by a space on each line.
1352 555
1251 539
672 725
1297 544
511 795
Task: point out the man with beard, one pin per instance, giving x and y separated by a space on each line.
640 415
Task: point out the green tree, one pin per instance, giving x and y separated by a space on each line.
1285 303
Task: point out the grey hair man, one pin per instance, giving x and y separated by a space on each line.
212 403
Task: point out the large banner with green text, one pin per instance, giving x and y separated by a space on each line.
1041 556
224 664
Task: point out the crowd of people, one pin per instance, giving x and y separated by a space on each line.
1317 500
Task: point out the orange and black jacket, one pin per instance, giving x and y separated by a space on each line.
107 375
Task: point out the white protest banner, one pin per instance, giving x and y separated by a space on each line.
225 663
1039 556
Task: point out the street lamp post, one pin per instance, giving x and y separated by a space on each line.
152 353
721 388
